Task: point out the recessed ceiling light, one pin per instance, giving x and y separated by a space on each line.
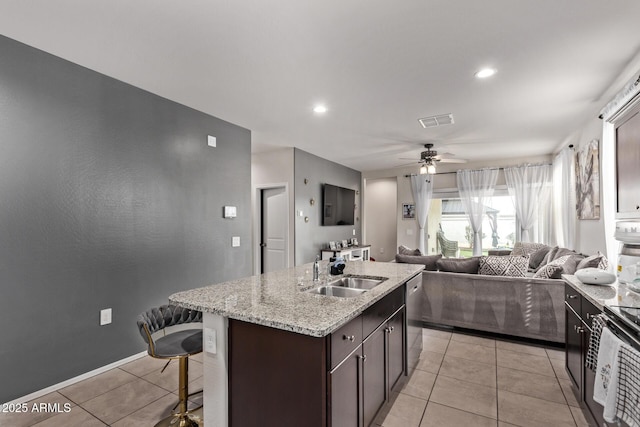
485 72
320 109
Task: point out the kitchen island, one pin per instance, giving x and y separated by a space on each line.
277 354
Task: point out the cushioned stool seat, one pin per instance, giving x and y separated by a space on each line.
181 343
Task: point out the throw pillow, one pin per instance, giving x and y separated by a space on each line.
404 250
536 258
459 265
562 252
548 271
527 248
510 265
429 261
594 261
567 262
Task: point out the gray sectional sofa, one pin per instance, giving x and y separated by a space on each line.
518 306
454 294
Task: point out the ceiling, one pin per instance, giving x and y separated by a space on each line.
378 65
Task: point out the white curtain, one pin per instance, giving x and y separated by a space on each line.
564 199
422 189
475 188
527 186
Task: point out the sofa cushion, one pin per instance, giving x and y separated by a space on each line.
429 261
405 250
536 258
555 253
549 271
459 265
527 248
509 265
598 260
568 264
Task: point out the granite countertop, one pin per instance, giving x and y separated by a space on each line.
600 295
279 300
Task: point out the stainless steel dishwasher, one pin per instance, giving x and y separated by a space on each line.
413 300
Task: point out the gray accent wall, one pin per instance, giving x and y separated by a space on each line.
312 236
109 197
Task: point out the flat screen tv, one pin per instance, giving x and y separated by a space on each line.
338 205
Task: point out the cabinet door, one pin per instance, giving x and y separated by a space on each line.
374 378
344 383
395 331
573 351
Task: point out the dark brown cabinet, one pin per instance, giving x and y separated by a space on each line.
579 317
344 383
374 381
282 378
627 170
368 374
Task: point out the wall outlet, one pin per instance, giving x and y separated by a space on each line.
235 241
381 250
211 141
354 231
409 232
210 345
105 316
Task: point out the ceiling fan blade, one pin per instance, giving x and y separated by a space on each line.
408 158
407 164
453 160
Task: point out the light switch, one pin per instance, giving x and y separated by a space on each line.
409 232
230 212
105 316
210 345
211 141
235 241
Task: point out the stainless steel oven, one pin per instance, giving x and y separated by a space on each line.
624 322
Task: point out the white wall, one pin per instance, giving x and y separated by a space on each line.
273 168
590 235
380 227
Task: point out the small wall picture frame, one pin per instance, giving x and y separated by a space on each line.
408 211
345 244
332 245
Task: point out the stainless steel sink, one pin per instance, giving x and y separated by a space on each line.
356 282
337 291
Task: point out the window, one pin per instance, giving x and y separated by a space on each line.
447 214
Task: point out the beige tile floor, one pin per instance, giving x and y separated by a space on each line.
464 380
461 380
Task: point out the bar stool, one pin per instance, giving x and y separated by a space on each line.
173 332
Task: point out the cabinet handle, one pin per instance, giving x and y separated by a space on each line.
364 358
572 296
351 338
391 329
579 329
588 316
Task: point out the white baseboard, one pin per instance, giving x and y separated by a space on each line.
77 379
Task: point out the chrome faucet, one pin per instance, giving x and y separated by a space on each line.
316 269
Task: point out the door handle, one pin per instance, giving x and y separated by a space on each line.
263 245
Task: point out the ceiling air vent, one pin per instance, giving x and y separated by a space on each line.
441 120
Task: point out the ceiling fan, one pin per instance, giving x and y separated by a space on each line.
429 158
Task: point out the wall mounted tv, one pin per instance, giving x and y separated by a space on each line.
338 205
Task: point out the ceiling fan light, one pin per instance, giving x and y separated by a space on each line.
485 72
431 169
424 170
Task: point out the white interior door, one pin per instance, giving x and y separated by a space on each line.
274 229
